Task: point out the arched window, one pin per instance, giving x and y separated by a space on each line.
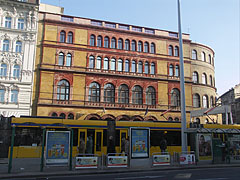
60 59
106 64
106 42
113 64
109 93
18 47
170 70
176 119
177 70
54 114
140 67
152 48
99 41
205 101
123 94
133 66
204 78
62 115
16 71
14 96
91 62
126 65
120 43
120 65
2 95
70 116
69 59
211 101
113 43
20 23
99 62
70 38
175 97
3 70
196 101
137 95
5 45
176 51
170 50
146 68
94 92
194 54
150 96
127 45
140 46
203 56
133 45
63 90
209 59
211 80
8 22
146 47
92 40
62 36
152 68
195 77
170 119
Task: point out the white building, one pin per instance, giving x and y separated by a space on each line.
18 33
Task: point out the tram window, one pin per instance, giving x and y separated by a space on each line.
75 137
98 141
28 137
82 135
117 138
173 138
155 137
104 137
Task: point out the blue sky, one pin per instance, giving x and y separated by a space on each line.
214 23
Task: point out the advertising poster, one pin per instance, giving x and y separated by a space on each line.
187 159
117 161
234 146
57 147
139 143
86 162
159 160
205 146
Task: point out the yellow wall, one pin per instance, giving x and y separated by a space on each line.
81 35
51 33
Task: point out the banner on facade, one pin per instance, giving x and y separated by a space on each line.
204 146
159 160
86 162
57 147
117 161
187 159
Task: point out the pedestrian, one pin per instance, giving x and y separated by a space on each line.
111 145
163 145
126 146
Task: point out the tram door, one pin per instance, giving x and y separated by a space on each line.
82 139
98 148
123 136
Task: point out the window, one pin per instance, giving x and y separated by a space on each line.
176 119
203 56
204 78
126 65
109 93
140 67
170 70
120 65
176 51
16 71
127 45
177 70
110 25
63 90
150 96
149 31
175 97
137 29
18 47
152 48
91 62
60 59
69 59
20 23
133 66
113 65
106 42
54 114
211 101
94 92
133 45
8 22
137 95
146 47
194 54
195 77
196 100
152 68
14 96
6 45
3 70
62 115
70 38
64 18
124 27
105 64
99 62
170 119
120 44
113 43
62 36
2 95
170 50
99 41
92 40
123 94
146 68
140 46
96 23
211 80
209 59
70 116
205 101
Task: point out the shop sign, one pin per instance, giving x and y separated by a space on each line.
159 160
86 162
117 161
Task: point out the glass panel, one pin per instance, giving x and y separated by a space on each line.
99 141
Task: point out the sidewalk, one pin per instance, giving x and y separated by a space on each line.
30 168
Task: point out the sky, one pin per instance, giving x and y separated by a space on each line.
215 23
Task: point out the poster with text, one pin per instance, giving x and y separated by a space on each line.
205 146
139 143
57 147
